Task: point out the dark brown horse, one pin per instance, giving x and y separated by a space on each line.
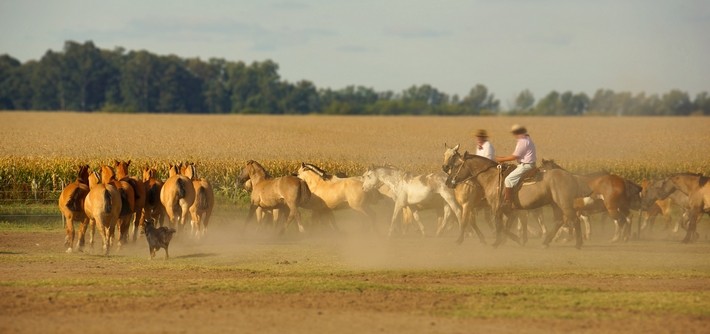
285 193
557 188
139 194
695 186
71 204
618 195
153 208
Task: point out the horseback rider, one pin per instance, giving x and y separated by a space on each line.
525 154
484 147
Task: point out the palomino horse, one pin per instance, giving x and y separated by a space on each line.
557 188
284 193
409 190
618 195
71 204
201 209
139 192
108 176
337 193
695 186
102 207
470 196
153 208
177 196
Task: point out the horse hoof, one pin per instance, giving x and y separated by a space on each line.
69 250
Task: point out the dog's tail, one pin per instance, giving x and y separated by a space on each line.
202 195
108 205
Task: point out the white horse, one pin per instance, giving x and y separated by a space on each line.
409 191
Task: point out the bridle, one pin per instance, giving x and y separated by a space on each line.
458 156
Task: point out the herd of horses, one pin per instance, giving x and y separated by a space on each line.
111 200
466 185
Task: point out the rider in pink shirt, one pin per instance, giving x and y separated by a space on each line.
524 154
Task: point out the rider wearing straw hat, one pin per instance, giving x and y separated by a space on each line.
484 148
524 154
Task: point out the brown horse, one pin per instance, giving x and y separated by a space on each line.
128 198
557 188
337 192
71 204
102 207
177 196
284 193
201 209
695 186
153 208
139 192
618 195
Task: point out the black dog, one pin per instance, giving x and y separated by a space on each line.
158 237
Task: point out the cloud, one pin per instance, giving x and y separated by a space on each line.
415 32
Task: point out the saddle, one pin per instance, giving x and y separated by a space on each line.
528 178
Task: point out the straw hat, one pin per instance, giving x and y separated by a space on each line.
518 129
481 133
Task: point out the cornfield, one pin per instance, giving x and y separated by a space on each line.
40 151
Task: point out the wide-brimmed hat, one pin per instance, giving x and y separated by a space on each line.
481 133
518 129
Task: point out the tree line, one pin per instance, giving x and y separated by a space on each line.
83 77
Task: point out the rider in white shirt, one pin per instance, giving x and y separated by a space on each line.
484 148
524 154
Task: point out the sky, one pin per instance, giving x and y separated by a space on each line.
507 45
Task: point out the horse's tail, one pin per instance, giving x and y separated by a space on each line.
74 201
202 195
125 204
135 184
153 196
304 193
181 188
108 204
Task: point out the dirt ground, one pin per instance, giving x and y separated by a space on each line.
350 282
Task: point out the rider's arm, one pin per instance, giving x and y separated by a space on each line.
506 158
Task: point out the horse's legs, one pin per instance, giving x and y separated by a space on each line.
104 234
69 227
398 206
587 226
690 232
500 228
137 223
512 218
557 214
252 211
463 224
469 215
415 215
442 222
82 232
522 225
92 225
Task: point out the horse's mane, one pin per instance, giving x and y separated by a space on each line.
266 172
322 173
468 156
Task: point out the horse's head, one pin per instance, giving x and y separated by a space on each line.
450 154
121 168
549 164
656 190
83 175
189 171
173 170
94 179
311 168
370 180
466 167
107 174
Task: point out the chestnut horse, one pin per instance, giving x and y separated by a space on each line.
285 193
71 204
139 192
128 198
618 195
557 188
665 207
102 207
153 207
177 196
695 186
201 209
